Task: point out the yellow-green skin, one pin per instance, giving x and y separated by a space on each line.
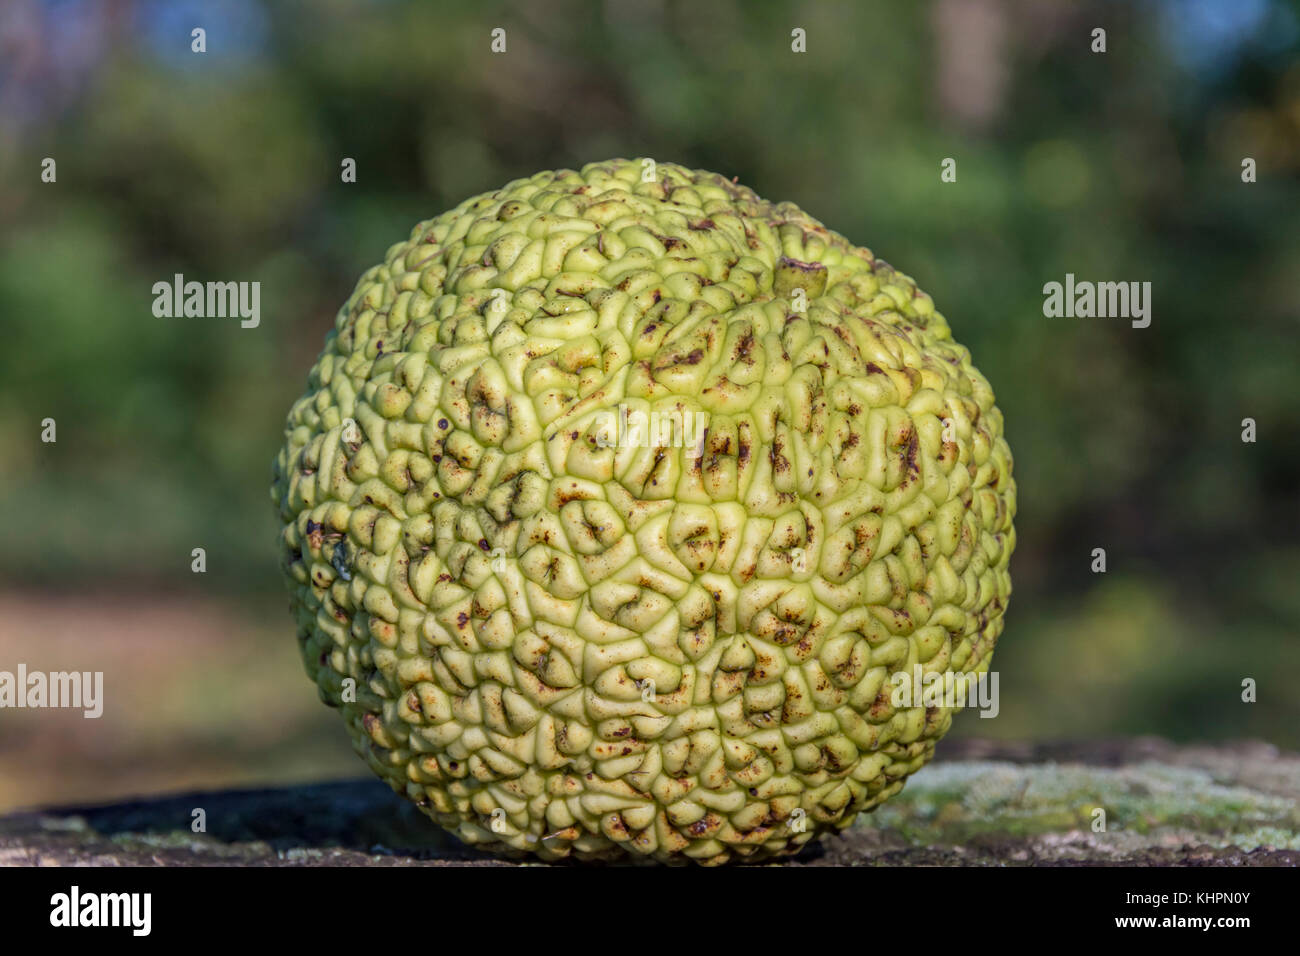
562 639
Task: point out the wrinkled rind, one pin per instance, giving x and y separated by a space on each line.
499 584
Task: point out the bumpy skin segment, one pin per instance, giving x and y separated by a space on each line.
567 641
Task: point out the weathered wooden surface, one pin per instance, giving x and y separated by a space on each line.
981 803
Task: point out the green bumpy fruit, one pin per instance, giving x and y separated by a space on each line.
617 504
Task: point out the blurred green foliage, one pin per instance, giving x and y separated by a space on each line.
1115 166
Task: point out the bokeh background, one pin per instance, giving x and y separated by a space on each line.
225 166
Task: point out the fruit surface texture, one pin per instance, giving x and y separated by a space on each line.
619 506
